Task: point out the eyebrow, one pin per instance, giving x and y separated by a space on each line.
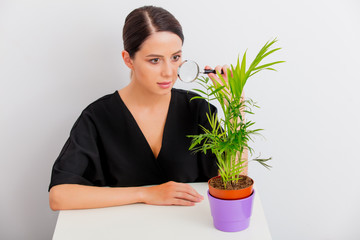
157 55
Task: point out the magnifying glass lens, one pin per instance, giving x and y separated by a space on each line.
188 71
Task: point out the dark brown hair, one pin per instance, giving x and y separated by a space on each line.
144 21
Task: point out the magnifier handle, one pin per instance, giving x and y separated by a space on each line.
207 71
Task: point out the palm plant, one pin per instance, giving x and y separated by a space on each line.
228 137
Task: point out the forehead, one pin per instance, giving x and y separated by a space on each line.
162 43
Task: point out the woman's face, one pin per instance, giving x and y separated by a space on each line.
155 64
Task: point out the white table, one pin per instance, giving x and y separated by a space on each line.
141 221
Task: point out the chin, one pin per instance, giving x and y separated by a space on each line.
165 91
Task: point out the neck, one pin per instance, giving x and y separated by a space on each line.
142 97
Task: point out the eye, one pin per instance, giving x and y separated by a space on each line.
176 58
155 60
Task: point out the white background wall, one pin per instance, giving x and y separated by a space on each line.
58 56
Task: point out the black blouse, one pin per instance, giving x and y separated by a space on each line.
107 148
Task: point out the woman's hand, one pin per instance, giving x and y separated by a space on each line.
214 78
171 193
218 82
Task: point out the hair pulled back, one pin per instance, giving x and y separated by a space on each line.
144 21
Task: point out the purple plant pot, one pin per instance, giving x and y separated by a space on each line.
231 215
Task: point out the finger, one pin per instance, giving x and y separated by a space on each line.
225 70
186 188
195 193
187 197
218 69
212 76
182 202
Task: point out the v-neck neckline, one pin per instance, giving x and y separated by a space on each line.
131 116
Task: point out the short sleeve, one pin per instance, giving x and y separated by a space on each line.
79 160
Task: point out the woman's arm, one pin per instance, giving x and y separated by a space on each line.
74 196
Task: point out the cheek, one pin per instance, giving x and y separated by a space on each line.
151 70
177 65
147 71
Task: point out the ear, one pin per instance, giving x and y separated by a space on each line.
127 59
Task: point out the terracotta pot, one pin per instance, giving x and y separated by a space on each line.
230 194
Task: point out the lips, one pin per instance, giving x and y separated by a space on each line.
164 84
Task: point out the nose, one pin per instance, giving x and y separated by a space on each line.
168 69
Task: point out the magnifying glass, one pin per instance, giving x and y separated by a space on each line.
188 71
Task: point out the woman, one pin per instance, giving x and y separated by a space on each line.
138 135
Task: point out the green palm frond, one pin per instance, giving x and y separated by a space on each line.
230 135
